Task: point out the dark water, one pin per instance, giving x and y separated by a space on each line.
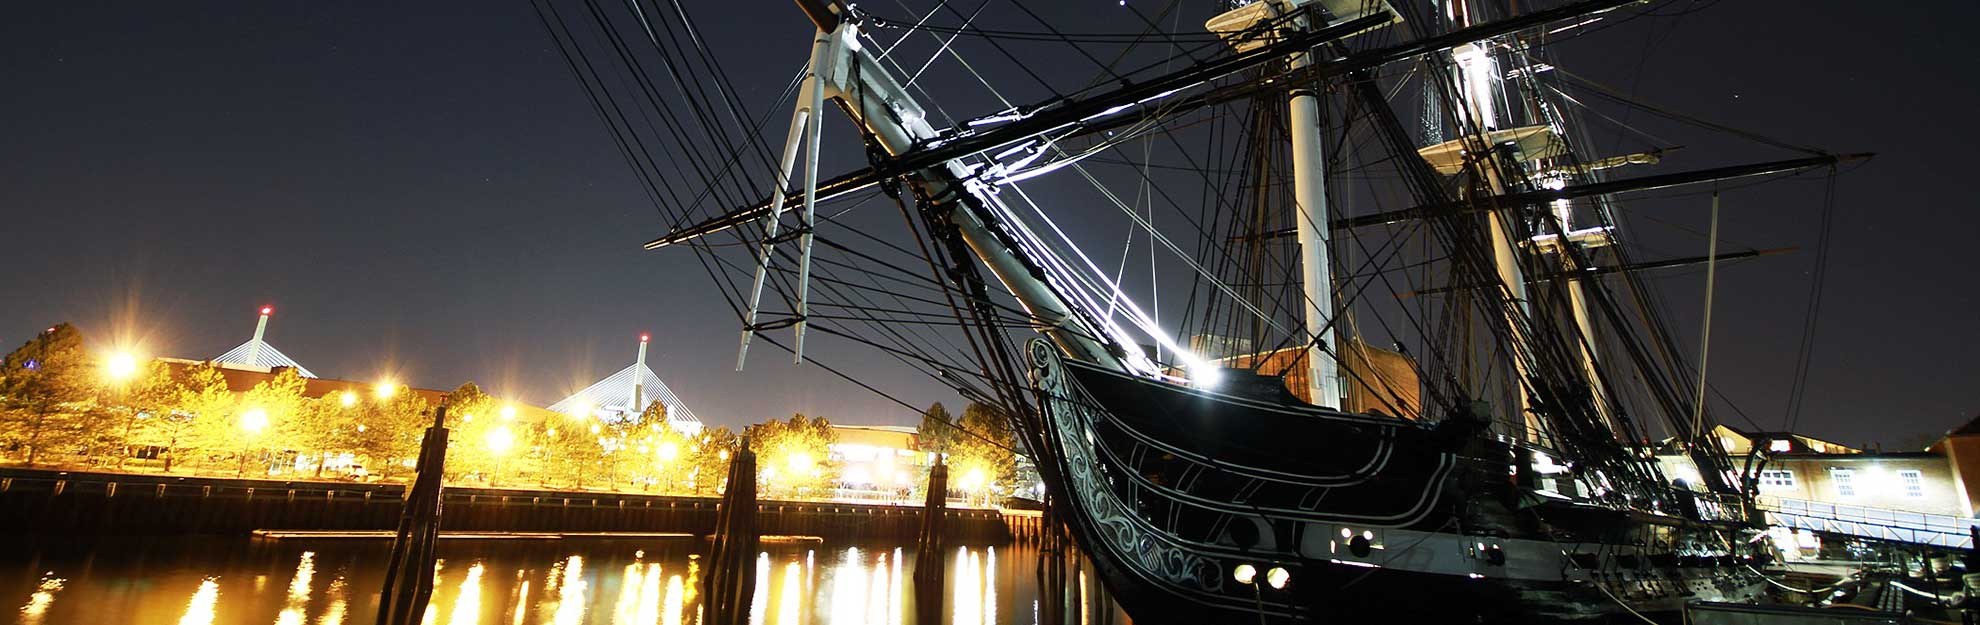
238 581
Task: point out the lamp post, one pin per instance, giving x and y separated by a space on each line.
500 440
253 422
664 455
119 370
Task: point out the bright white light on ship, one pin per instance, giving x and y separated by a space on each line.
1277 577
1244 573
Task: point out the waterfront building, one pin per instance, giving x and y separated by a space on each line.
1802 469
878 460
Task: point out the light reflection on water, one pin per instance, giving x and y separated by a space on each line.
607 582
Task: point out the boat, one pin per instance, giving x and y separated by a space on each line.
1488 461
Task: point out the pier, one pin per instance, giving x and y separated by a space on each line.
84 503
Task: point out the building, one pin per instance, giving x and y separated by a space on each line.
1806 469
1377 381
878 459
626 394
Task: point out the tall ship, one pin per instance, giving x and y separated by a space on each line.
1307 310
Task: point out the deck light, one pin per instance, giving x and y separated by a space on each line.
1244 573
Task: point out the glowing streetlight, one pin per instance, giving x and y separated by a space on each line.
385 389
347 398
509 413
501 439
120 367
667 452
254 421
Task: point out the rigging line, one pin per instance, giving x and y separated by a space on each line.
1705 334
1075 165
1618 97
738 112
587 73
946 43
593 95
1813 311
639 76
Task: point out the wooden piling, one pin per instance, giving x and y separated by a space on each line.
409 579
731 580
929 574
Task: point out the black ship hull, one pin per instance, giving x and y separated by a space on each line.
1170 490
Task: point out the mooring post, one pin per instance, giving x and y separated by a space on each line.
409 578
929 574
731 580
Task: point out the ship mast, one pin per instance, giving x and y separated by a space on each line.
1323 385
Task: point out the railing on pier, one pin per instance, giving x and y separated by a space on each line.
1885 524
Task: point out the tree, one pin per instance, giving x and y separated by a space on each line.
268 416
710 460
937 432
569 450
324 427
471 417
982 459
390 430
148 398
46 392
793 455
652 449
200 418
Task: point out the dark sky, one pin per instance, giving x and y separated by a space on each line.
422 190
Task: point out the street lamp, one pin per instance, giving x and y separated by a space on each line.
509 413
120 367
385 389
253 422
347 398
500 440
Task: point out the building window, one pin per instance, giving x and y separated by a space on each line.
1845 480
1776 480
1781 445
1914 483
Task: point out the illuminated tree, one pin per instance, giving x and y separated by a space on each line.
568 450
654 451
937 432
267 415
471 416
147 398
325 427
47 393
793 455
981 459
201 419
710 460
390 429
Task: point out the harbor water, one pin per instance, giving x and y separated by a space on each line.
617 581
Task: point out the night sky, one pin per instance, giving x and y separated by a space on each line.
422 190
